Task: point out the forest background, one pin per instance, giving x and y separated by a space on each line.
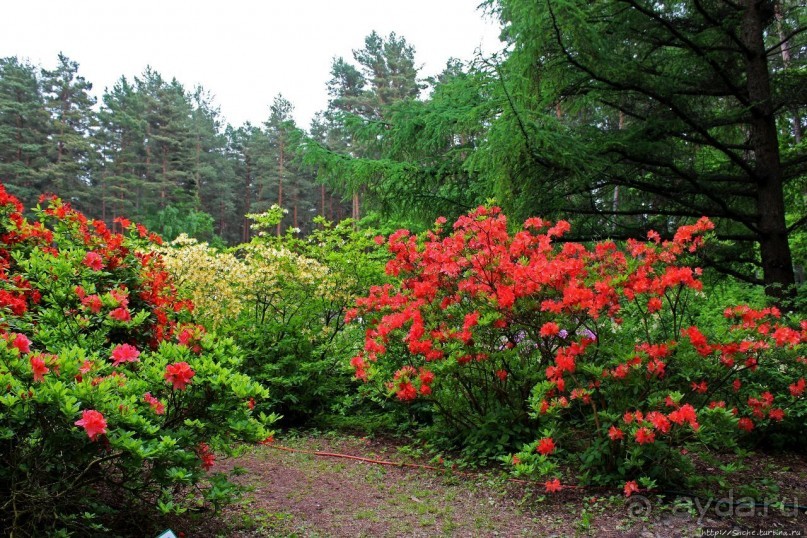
697 111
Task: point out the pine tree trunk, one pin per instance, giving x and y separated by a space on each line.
355 214
247 201
197 175
280 187
164 180
777 263
322 200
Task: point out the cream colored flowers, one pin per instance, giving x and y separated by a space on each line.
222 284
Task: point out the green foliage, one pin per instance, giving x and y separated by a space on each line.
283 299
173 221
631 115
296 339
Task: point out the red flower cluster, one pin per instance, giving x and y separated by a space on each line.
480 262
39 368
156 405
207 456
631 487
124 353
179 375
190 336
483 300
93 423
404 379
546 446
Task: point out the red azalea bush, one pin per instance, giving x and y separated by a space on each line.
593 346
107 400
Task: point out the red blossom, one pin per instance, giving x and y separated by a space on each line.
615 433
93 302
206 455
654 305
630 488
21 343
700 388
746 424
39 368
94 261
426 376
156 405
657 367
549 328
660 422
553 486
93 423
121 314
645 436
406 392
179 374
546 446
797 388
124 353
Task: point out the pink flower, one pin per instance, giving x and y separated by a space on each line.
156 405
179 374
93 302
93 423
94 261
124 353
121 314
22 343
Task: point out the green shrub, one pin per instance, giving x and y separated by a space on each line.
594 347
283 299
109 402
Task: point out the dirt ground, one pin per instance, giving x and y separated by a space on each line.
306 495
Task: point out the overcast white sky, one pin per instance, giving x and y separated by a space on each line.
244 52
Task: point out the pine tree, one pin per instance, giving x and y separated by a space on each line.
24 131
633 114
71 152
120 138
360 98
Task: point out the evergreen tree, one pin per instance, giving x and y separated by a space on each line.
360 98
71 152
120 138
632 114
24 131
